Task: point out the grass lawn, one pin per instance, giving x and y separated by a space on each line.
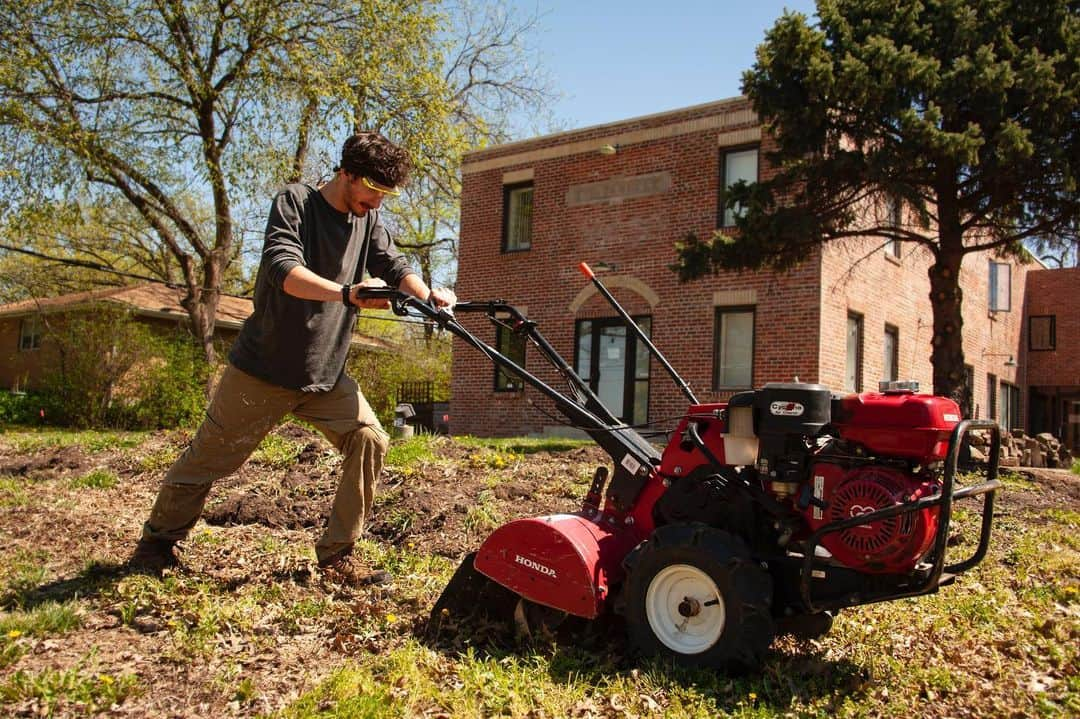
248 627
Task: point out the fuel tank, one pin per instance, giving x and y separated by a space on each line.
903 424
564 561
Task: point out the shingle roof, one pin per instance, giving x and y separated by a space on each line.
154 299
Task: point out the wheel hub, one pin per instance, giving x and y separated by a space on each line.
685 609
689 607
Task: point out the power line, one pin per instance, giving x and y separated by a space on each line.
105 268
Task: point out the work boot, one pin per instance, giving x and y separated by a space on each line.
347 569
153 556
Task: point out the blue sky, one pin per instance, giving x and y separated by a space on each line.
615 60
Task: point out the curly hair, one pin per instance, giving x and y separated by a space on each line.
369 154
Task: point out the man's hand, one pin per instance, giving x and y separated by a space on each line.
370 303
442 297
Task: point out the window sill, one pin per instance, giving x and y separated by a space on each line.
516 250
893 259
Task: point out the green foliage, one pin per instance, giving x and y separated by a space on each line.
51 686
43 620
1076 466
110 370
19 408
525 445
277 452
962 113
406 452
172 392
146 165
96 479
28 440
12 492
20 574
414 358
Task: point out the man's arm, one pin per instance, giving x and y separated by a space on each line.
305 284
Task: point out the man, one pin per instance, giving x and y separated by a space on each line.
290 355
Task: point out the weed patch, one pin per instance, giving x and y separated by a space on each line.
277 452
404 453
13 492
53 687
96 479
26 441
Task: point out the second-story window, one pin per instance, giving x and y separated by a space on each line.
893 216
1000 289
738 165
517 217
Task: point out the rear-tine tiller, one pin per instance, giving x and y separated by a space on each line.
763 514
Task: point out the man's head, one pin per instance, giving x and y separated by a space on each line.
372 168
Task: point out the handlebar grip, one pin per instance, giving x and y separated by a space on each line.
586 270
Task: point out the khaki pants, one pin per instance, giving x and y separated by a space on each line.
243 410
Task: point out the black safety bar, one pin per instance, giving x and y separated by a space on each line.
587 413
943 500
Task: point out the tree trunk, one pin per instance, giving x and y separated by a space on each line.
947 354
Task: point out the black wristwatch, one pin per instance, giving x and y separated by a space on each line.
346 290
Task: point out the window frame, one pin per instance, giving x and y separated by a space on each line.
718 313
721 213
508 192
511 384
630 378
1052 344
894 331
860 351
30 330
993 282
894 213
1009 406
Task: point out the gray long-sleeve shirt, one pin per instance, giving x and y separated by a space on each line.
303 344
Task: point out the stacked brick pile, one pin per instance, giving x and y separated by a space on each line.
1020 450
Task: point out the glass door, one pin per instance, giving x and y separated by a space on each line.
615 365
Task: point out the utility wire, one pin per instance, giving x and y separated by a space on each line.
175 285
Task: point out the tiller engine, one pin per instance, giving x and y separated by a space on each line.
764 514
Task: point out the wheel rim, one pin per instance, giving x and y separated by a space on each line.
685 609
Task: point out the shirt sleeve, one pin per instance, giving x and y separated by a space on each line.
282 249
385 260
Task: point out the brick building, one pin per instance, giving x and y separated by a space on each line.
618 196
1050 353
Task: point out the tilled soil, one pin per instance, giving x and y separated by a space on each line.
260 527
65 543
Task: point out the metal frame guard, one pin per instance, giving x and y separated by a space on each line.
944 500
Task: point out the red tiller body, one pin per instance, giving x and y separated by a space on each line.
563 561
912 426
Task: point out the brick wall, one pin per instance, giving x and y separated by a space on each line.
635 235
800 316
859 278
1054 292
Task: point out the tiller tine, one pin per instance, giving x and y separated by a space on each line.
470 597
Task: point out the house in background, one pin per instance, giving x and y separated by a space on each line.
25 351
618 196
1050 354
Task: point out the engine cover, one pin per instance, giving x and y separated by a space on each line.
886 546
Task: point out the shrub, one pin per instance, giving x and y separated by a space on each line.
114 371
19 408
415 357
172 392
